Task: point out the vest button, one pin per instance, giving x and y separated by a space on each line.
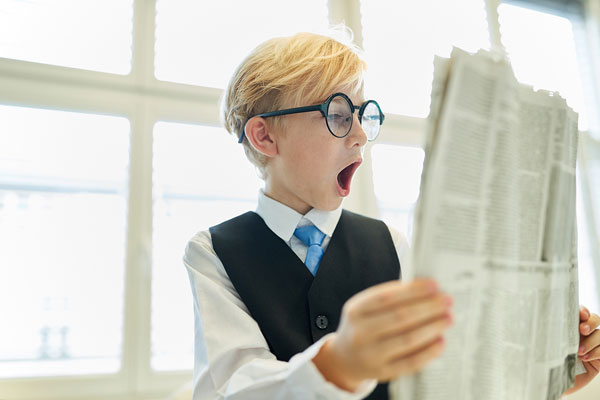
322 322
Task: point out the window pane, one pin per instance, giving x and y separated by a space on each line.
201 178
542 51
202 42
63 192
397 180
400 39
88 34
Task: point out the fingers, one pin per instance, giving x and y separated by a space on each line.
411 341
388 294
584 313
394 326
588 326
592 367
592 355
415 361
589 347
402 318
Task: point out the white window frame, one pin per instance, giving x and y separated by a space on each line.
144 100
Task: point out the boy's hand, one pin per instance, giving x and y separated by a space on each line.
387 330
589 348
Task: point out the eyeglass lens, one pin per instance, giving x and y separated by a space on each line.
339 118
371 120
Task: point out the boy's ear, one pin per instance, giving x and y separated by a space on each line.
261 137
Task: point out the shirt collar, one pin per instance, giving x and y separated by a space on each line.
283 220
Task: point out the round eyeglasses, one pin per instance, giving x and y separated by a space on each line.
338 111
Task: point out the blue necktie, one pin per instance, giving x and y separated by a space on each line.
312 237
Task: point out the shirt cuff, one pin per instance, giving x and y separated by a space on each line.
304 371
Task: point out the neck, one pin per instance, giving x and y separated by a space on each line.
286 198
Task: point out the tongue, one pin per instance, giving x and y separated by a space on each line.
344 177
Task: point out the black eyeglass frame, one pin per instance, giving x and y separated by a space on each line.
323 108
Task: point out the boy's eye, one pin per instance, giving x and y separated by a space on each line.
339 120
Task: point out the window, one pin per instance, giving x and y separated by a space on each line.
546 57
108 166
201 43
400 40
63 194
397 178
187 200
121 323
88 34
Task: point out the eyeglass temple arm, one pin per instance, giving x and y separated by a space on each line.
296 110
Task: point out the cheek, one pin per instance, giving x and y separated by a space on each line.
300 163
309 166
309 153
318 158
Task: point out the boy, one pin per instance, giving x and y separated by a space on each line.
301 299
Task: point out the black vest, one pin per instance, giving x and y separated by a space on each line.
294 309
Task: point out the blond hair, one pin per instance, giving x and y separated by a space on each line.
303 69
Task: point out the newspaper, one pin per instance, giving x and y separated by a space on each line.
495 226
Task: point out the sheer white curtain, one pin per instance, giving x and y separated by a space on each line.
589 153
588 217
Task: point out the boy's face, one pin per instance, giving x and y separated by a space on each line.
313 168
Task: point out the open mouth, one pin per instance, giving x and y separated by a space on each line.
344 178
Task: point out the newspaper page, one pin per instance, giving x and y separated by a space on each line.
495 226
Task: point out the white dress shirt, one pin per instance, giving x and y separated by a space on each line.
232 357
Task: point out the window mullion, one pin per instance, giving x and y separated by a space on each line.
136 316
348 13
138 280
142 61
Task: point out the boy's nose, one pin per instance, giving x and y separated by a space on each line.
357 136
